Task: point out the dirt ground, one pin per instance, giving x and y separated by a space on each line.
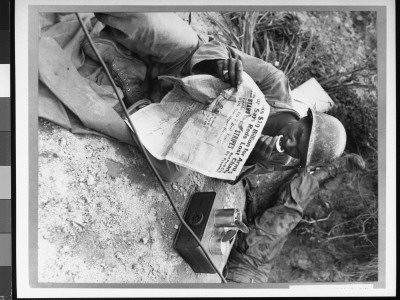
103 216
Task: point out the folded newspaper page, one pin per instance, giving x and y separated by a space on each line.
204 124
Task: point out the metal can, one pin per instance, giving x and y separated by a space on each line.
226 217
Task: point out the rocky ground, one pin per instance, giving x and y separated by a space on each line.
103 216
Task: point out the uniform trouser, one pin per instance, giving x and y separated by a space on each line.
163 40
166 43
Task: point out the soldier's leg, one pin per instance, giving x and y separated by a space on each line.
162 39
160 44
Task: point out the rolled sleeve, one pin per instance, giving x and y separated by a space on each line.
209 51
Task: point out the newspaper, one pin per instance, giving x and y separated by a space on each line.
204 124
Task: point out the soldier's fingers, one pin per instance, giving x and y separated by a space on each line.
266 148
260 142
262 139
220 67
239 72
272 143
226 70
261 145
232 69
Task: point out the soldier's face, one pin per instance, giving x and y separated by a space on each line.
296 136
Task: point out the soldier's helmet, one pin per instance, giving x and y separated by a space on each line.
327 140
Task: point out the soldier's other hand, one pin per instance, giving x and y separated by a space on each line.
263 148
230 70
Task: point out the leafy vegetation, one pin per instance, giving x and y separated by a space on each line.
338 49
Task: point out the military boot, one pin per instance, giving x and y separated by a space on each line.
347 163
128 71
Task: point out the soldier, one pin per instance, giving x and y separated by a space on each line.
139 47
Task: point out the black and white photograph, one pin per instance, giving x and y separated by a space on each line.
205 147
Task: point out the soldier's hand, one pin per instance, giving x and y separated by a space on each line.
263 148
230 70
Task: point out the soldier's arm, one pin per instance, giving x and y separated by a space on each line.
272 82
250 262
